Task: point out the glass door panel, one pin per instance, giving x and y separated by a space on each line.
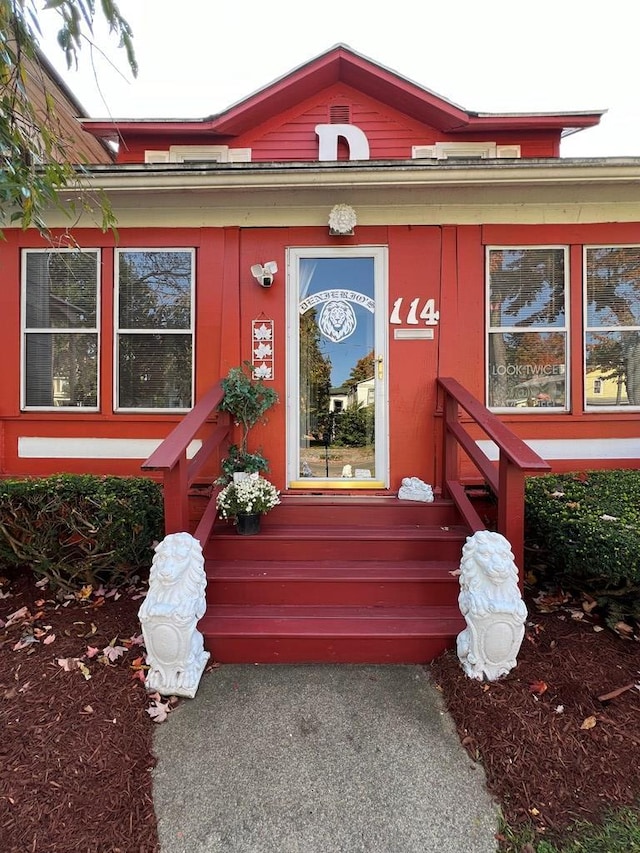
339 361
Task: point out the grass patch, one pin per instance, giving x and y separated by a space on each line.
618 833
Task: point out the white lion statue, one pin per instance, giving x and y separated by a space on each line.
492 606
415 489
169 615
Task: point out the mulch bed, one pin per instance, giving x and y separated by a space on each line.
559 737
75 744
76 751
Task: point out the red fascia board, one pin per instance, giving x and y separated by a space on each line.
528 122
114 129
355 71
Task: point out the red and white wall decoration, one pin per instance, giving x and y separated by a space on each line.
262 348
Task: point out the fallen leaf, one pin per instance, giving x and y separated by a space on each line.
158 712
136 640
598 628
139 674
589 723
538 687
606 517
534 811
112 653
84 669
84 593
87 710
68 663
16 616
589 605
92 651
48 640
624 629
559 709
24 641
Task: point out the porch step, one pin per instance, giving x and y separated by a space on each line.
321 634
338 578
391 542
365 583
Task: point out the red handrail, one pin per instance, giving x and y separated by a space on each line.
515 460
179 472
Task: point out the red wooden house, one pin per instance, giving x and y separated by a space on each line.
418 282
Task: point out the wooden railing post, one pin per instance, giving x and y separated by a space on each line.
511 480
176 498
449 443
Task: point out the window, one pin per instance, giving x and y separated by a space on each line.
466 151
199 154
60 319
612 326
154 329
527 328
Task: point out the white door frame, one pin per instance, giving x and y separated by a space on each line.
381 350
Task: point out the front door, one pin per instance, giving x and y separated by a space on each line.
337 358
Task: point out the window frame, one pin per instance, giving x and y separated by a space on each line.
25 331
587 329
117 330
565 329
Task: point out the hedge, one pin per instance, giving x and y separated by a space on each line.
586 526
80 529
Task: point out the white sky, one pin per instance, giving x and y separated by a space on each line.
197 57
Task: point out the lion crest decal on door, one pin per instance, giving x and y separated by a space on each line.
337 320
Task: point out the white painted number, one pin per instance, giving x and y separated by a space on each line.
428 313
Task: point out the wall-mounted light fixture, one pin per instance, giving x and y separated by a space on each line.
342 220
264 273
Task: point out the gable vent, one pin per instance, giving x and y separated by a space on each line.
340 114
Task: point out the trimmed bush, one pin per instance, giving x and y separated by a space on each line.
586 526
80 529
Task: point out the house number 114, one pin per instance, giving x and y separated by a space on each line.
428 313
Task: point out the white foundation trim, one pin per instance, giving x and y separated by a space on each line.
574 448
49 447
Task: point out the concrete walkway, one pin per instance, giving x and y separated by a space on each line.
318 759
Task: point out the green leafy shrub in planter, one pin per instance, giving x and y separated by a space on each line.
246 398
80 529
586 526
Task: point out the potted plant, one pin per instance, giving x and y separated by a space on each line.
246 500
246 399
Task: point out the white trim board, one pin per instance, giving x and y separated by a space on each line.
44 447
574 448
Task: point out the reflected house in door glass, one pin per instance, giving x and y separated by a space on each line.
339 398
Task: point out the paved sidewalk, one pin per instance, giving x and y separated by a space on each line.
318 759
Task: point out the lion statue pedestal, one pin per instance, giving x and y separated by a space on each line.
492 606
169 615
